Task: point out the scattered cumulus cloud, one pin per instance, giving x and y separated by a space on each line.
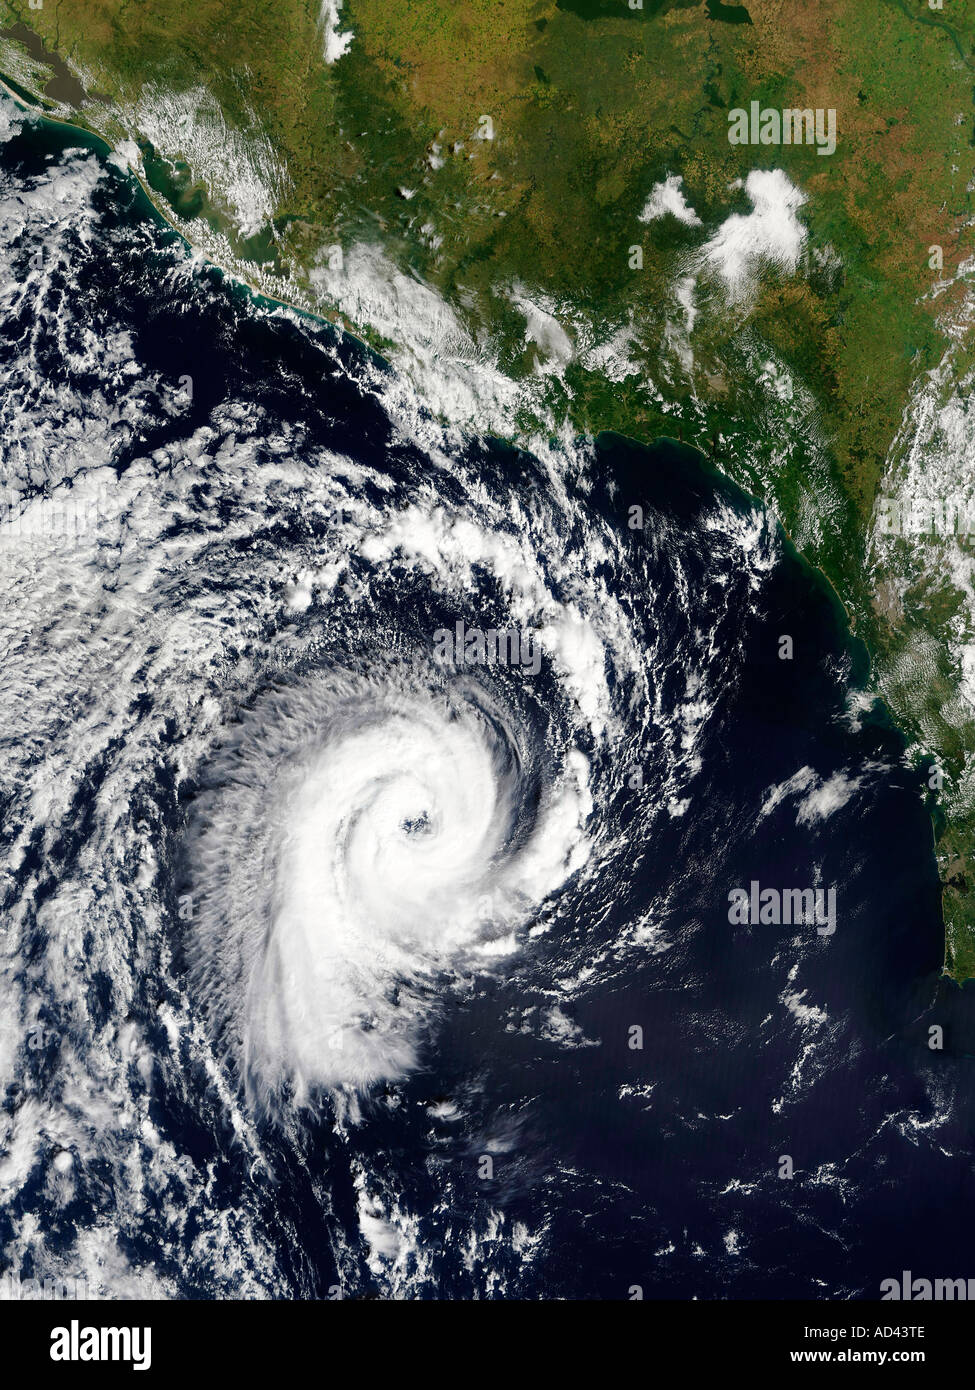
336 44
668 198
770 233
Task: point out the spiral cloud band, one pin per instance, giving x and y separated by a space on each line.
275 847
360 839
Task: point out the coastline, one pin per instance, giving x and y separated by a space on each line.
275 303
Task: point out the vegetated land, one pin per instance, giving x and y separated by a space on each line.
270 155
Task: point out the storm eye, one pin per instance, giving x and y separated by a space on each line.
417 825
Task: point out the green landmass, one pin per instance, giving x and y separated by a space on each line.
589 104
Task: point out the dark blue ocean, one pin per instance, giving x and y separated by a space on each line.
635 1067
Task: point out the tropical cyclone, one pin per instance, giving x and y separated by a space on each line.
535 209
